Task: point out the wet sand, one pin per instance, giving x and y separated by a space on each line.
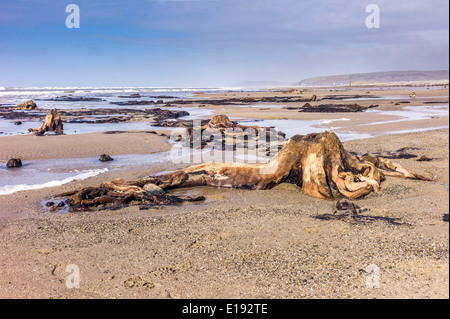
276 243
30 147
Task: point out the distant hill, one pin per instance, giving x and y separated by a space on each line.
376 77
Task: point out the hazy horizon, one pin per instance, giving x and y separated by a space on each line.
214 43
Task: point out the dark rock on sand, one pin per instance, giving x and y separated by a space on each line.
113 119
131 96
177 123
332 108
153 189
14 162
435 102
160 114
105 158
424 159
349 97
347 207
133 103
75 99
163 97
16 115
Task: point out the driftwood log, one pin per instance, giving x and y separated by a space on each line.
318 163
52 122
120 193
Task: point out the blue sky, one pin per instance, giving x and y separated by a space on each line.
214 42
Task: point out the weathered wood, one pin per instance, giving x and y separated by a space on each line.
52 122
28 105
315 162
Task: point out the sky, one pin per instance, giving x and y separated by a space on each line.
215 43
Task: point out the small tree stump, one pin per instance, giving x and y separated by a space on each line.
28 105
52 122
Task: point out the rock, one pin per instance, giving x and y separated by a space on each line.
332 108
133 103
307 105
28 105
132 96
105 158
162 114
347 207
424 159
18 123
14 162
154 189
76 99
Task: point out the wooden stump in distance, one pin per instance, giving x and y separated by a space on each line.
52 122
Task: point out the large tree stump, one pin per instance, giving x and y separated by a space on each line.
52 122
317 163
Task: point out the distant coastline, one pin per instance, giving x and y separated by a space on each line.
390 78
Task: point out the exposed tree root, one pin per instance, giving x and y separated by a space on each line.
52 122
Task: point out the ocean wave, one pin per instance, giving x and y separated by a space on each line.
46 90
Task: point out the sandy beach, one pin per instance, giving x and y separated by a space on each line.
278 243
